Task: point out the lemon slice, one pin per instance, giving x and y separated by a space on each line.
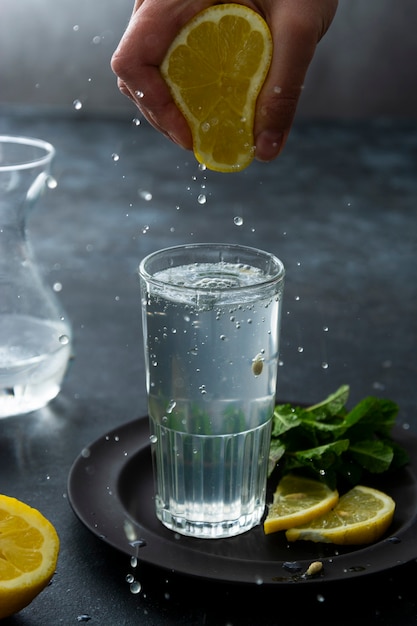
361 516
29 547
298 500
215 69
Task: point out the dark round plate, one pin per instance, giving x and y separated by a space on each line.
111 483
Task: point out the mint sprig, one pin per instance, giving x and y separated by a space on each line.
329 442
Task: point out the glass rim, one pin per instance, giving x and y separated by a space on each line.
275 277
31 142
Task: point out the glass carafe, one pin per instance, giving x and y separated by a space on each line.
35 335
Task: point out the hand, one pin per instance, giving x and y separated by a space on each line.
296 26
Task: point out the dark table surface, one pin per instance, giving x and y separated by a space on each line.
340 209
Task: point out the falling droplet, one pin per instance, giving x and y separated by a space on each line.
51 182
146 195
135 587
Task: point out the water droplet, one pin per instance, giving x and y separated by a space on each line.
153 438
292 566
96 40
57 287
85 452
277 89
201 198
135 587
130 578
139 94
300 349
238 220
325 365
115 157
75 28
64 340
223 337
83 618
146 195
136 121
202 167
51 182
326 329
133 561
77 104
171 406
320 597
205 127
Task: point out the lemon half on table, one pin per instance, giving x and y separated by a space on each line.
215 69
29 547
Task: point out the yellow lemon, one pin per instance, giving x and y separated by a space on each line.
29 547
298 500
361 516
215 69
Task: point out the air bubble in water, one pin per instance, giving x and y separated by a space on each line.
64 340
202 167
201 198
136 121
77 104
115 157
325 365
238 220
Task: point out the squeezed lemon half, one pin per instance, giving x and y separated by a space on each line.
215 69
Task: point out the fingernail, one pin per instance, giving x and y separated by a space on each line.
268 145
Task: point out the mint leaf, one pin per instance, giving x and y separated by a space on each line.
333 404
374 456
285 418
334 443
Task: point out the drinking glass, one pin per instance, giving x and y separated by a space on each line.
211 319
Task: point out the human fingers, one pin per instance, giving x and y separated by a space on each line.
296 27
151 29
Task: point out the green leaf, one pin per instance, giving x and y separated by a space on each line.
285 418
332 405
326 439
375 456
276 452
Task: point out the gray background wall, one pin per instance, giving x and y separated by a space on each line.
55 52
